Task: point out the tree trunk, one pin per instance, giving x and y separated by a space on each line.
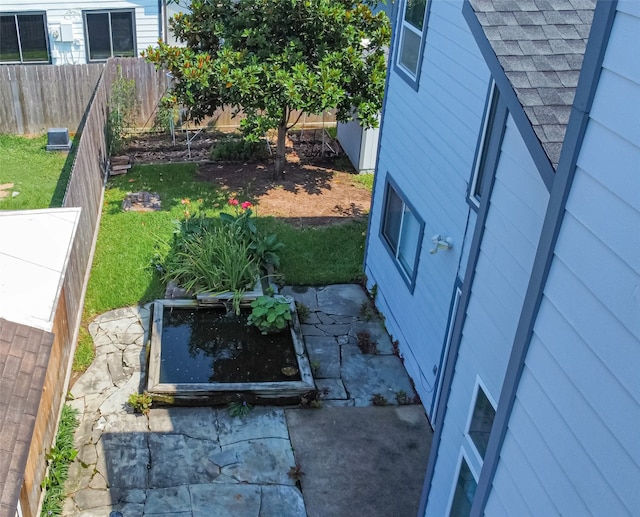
278 172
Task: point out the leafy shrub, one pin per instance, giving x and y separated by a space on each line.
122 106
140 402
270 314
237 149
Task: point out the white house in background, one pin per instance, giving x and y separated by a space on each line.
504 244
80 31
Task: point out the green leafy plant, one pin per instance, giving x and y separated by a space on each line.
122 106
296 473
315 367
270 314
58 460
366 311
365 343
239 409
402 398
234 148
167 114
140 402
303 311
311 399
379 400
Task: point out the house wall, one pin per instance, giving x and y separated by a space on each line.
431 163
571 446
507 250
58 12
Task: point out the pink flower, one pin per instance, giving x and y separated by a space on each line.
185 201
233 202
246 205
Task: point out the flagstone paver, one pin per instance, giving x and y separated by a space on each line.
202 461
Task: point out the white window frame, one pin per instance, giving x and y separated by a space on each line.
462 455
406 25
475 185
108 12
408 276
15 15
479 385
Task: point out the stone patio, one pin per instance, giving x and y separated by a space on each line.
201 461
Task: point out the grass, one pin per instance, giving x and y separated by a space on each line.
123 274
40 177
59 458
366 180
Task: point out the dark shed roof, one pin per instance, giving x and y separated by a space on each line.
540 45
24 355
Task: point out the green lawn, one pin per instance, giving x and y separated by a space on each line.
122 273
39 177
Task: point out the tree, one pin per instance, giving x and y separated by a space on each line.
270 58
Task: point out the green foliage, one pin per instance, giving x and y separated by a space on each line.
366 311
122 106
365 343
84 351
239 409
214 259
365 179
271 57
377 399
238 149
123 273
270 314
140 402
303 311
58 460
167 114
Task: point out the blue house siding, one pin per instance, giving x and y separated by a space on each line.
576 415
512 229
431 165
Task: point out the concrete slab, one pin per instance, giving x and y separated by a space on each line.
225 500
361 461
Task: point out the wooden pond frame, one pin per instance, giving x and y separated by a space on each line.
214 393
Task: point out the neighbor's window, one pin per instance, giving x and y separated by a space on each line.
411 33
464 493
23 38
109 34
475 188
402 231
481 422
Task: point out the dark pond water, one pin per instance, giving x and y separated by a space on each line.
207 345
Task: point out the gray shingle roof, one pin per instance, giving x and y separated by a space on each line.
24 355
540 45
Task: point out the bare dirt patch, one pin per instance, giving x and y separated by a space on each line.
318 187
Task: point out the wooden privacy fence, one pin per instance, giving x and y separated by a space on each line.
34 98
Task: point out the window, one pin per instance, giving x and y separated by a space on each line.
109 34
481 421
411 30
23 38
402 232
475 186
465 491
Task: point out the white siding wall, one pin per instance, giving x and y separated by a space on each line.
572 444
70 12
427 145
512 229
